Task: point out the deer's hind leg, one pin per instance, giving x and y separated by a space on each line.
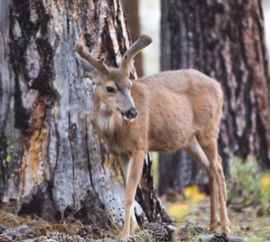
211 150
196 153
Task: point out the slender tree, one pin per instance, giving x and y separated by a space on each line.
225 40
51 161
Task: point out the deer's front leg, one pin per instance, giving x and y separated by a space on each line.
132 180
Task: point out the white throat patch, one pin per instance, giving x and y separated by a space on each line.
103 106
110 121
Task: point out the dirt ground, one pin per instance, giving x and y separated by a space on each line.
247 225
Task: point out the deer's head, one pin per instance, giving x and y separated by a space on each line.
112 85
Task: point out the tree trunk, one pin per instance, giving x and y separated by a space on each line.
176 171
51 161
225 40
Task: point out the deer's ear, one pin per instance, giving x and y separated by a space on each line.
85 65
90 70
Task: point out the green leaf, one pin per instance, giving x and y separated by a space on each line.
8 158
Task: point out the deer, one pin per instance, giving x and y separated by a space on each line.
171 110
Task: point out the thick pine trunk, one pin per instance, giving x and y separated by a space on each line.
51 161
225 40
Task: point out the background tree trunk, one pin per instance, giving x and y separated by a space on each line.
228 45
51 161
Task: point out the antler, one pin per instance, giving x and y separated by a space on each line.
85 54
133 50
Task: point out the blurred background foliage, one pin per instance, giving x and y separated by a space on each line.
249 187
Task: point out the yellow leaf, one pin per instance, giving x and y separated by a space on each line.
178 211
265 183
193 193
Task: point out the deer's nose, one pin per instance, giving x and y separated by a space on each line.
131 113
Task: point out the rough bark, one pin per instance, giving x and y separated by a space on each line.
225 40
51 161
147 197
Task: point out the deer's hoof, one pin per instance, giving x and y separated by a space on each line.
226 229
214 227
226 226
124 238
131 238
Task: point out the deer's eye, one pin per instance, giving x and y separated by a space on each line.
111 90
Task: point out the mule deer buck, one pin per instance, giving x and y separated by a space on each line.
163 112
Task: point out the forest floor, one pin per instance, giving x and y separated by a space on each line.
249 212
248 206
246 226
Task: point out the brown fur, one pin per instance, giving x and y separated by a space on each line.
176 109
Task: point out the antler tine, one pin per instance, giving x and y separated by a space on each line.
133 50
97 63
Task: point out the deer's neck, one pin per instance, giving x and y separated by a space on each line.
108 123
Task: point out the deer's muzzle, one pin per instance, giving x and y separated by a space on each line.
130 114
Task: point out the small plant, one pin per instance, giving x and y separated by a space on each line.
248 187
254 238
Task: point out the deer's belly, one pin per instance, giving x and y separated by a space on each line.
170 130
164 141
